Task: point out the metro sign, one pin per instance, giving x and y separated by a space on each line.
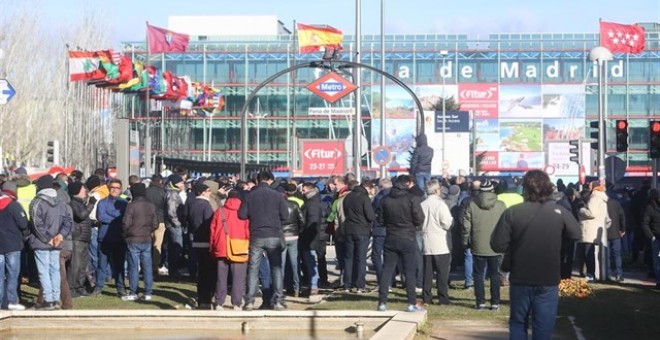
331 87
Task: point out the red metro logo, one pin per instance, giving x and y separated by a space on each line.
331 87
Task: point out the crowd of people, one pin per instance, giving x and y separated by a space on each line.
267 236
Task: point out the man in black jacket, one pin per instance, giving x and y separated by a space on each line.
291 229
420 164
156 194
531 233
138 223
357 227
199 225
614 234
81 206
402 217
312 236
266 209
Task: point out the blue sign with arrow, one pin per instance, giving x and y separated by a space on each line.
6 91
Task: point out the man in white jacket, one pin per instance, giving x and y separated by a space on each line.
437 244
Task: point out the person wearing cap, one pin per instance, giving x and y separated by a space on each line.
51 223
13 231
531 234
176 197
199 226
81 206
479 221
138 222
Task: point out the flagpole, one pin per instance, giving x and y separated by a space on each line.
147 109
357 131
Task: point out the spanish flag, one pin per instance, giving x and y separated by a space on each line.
315 39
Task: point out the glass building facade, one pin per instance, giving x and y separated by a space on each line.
546 91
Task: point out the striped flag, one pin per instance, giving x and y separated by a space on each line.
84 65
316 39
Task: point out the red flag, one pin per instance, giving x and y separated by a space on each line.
314 38
162 40
84 65
622 38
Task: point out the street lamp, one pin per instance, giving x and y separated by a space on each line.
258 117
443 53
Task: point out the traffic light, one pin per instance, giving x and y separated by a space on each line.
53 152
654 139
594 134
575 150
621 135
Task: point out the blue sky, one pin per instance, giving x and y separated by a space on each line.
411 16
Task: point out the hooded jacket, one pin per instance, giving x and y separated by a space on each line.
435 231
479 221
13 225
156 195
592 229
238 228
312 236
49 217
139 221
422 156
82 223
358 212
651 220
402 214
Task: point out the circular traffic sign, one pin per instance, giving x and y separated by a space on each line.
382 155
549 169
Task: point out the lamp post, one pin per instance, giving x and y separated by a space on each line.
383 126
443 53
258 117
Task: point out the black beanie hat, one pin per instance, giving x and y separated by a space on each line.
44 182
92 182
74 188
138 190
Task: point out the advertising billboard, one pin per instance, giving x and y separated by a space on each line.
322 157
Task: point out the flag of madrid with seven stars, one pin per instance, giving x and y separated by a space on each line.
622 38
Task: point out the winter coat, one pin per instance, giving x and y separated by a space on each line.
436 236
238 228
402 214
49 217
199 221
110 212
265 208
379 229
296 221
592 229
358 212
175 207
422 156
156 194
532 233
139 221
312 236
82 223
481 216
618 217
13 225
651 220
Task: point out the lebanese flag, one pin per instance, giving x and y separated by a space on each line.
162 40
622 38
84 65
315 39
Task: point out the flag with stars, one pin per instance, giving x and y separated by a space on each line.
84 65
622 38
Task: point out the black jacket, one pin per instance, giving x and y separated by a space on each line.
139 221
82 223
422 156
156 195
532 234
13 225
402 214
296 221
358 212
618 217
266 209
312 236
199 221
651 220
379 229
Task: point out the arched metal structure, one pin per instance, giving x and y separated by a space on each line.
329 65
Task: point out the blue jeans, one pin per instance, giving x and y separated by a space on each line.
377 245
291 252
422 178
174 249
309 258
10 269
48 266
468 264
266 279
539 301
614 260
273 248
139 255
655 246
356 257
